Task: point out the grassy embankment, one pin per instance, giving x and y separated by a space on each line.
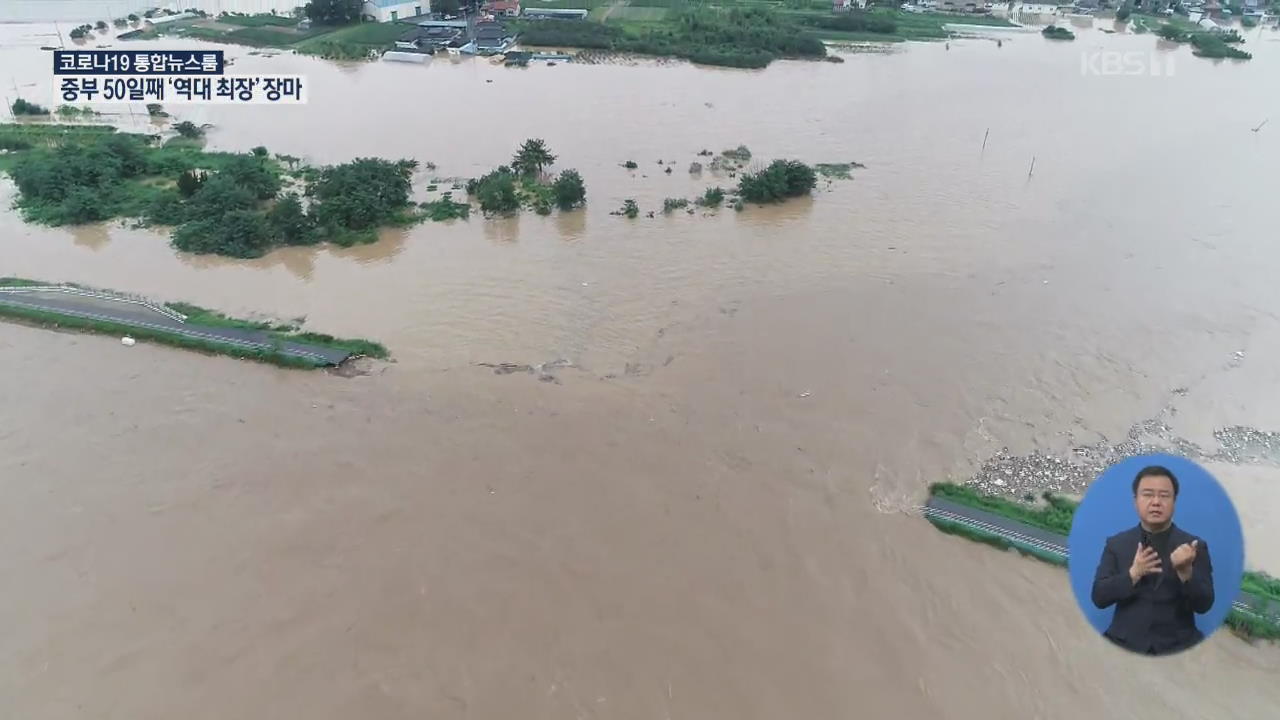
197 317
234 204
348 42
736 33
1055 515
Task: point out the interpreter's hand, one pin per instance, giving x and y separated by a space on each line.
1145 562
1182 558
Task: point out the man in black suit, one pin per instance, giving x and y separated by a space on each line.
1156 574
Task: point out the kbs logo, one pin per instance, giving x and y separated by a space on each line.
1132 63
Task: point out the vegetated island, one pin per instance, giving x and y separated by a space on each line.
179 325
1205 43
234 204
1055 516
774 183
522 183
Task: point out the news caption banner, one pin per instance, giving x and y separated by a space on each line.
179 77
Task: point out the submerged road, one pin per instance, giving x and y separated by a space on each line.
104 307
1054 543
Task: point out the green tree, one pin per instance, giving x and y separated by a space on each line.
82 206
780 180
254 174
188 129
289 223
496 191
22 107
532 157
189 182
569 190
219 195
713 197
361 194
237 233
333 12
446 7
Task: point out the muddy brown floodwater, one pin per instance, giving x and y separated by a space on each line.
708 516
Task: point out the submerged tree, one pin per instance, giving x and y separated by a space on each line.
333 12
532 157
780 180
189 182
569 190
289 222
496 191
188 129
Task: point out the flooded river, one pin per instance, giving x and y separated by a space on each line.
708 516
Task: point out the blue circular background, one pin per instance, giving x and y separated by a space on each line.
1203 509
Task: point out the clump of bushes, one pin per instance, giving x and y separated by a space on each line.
713 197
782 179
569 190
189 130
446 209
22 107
672 204
496 191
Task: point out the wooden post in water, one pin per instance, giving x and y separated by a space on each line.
1033 166
984 139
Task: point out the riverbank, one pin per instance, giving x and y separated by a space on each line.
181 325
357 41
735 34
1251 617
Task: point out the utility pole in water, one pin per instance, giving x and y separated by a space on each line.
1033 167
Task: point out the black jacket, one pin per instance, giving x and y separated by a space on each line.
1157 615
